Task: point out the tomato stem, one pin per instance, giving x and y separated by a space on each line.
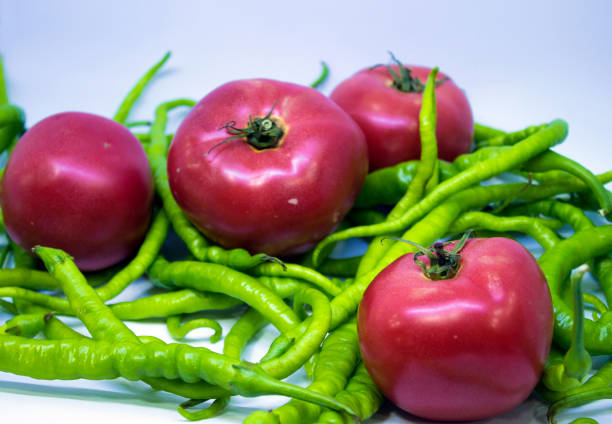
405 82
443 264
261 133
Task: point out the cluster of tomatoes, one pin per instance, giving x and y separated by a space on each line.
259 164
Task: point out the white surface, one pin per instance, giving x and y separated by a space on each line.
520 62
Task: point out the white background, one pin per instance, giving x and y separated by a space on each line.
520 63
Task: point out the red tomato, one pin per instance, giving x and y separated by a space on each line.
389 117
464 348
81 183
279 200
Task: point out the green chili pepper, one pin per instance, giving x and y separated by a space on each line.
213 410
386 186
337 359
576 400
340 267
538 229
506 139
551 160
27 278
73 359
603 273
156 359
365 216
484 132
148 251
99 320
176 302
196 243
361 393
556 263
218 278
25 325
553 133
571 371
241 332
12 118
272 269
179 330
429 151
126 105
322 77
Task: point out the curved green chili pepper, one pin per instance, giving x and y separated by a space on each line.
556 263
273 269
165 360
196 243
218 278
386 186
176 302
27 278
23 259
179 330
9 307
307 341
25 325
551 160
565 212
484 132
156 152
361 393
538 229
73 359
507 139
603 273
148 251
365 216
126 105
213 410
576 400
571 371
83 299
322 77
241 332
340 267
336 362
552 134
429 150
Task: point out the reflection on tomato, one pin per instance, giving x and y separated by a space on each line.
463 348
389 117
81 183
282 196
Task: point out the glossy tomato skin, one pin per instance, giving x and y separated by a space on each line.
466 348
389 117
282 200
81 183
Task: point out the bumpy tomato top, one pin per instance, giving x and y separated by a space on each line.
389 117
278 200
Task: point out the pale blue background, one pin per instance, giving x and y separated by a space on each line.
520 62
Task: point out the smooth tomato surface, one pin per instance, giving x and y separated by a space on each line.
280 200
465 348
81 183
389 117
